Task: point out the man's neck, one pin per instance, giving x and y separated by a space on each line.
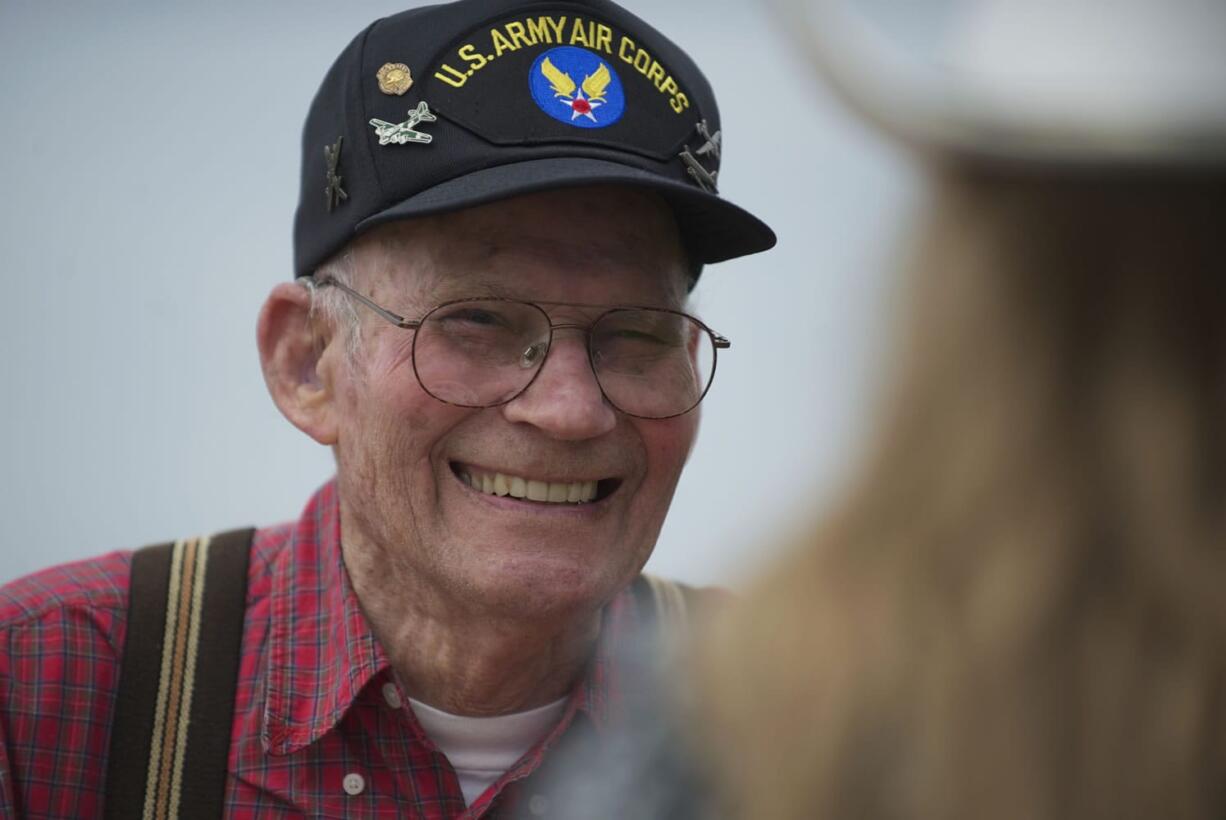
458 658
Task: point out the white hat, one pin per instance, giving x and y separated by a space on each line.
1079 81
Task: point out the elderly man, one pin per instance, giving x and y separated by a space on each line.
503 208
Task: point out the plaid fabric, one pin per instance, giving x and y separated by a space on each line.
310 708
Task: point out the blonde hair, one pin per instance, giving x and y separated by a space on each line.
1020 609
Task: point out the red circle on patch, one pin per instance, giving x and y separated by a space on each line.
582 106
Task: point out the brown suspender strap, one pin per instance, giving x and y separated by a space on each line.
170 738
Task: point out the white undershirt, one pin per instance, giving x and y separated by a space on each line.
482 748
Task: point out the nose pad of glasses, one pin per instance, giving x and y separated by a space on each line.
532 355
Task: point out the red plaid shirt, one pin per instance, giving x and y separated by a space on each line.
316 699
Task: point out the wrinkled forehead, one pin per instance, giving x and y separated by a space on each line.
612 245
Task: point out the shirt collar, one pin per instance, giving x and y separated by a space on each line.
322 652
601 693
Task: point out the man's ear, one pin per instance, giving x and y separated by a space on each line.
292 352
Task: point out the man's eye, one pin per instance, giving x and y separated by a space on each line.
646 334
471 316
642 336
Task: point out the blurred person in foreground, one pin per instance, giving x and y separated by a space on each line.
1018 609
504 208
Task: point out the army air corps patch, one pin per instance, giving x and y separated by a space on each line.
576 87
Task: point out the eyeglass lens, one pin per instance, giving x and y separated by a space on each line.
478 353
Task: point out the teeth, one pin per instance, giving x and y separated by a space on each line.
554 492
538 491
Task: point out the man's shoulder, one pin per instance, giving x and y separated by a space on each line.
667 599
98 583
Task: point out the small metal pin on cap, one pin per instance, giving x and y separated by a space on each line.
394 78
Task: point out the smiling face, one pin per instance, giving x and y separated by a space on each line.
429 489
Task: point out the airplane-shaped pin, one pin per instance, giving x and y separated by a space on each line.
712 140
402 132
705 179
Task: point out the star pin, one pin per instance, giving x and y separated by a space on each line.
334 192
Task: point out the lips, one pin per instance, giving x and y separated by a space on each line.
530 488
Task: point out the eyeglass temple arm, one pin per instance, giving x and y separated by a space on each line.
394 318
721 342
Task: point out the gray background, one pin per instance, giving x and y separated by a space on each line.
148 175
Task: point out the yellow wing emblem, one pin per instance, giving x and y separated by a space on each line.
563 85
595 84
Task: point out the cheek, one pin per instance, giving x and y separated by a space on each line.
384 462
380 388
668 443
403 431
388 425
386 361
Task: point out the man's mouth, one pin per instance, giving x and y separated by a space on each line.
534 489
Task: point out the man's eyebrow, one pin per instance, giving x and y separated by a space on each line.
480 285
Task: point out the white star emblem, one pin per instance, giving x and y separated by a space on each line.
580 106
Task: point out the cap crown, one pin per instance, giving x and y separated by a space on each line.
507 82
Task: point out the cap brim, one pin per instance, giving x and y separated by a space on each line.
713 230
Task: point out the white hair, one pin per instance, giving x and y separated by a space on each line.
333 305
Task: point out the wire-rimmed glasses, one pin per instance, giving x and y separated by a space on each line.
652 363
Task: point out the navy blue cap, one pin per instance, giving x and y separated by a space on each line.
449 106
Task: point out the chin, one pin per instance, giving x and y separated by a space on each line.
545 588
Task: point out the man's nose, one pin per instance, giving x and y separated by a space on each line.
565 400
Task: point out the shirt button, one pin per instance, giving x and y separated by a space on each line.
391 695
354 784
538 805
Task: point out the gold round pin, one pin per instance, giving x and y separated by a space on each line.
394 78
